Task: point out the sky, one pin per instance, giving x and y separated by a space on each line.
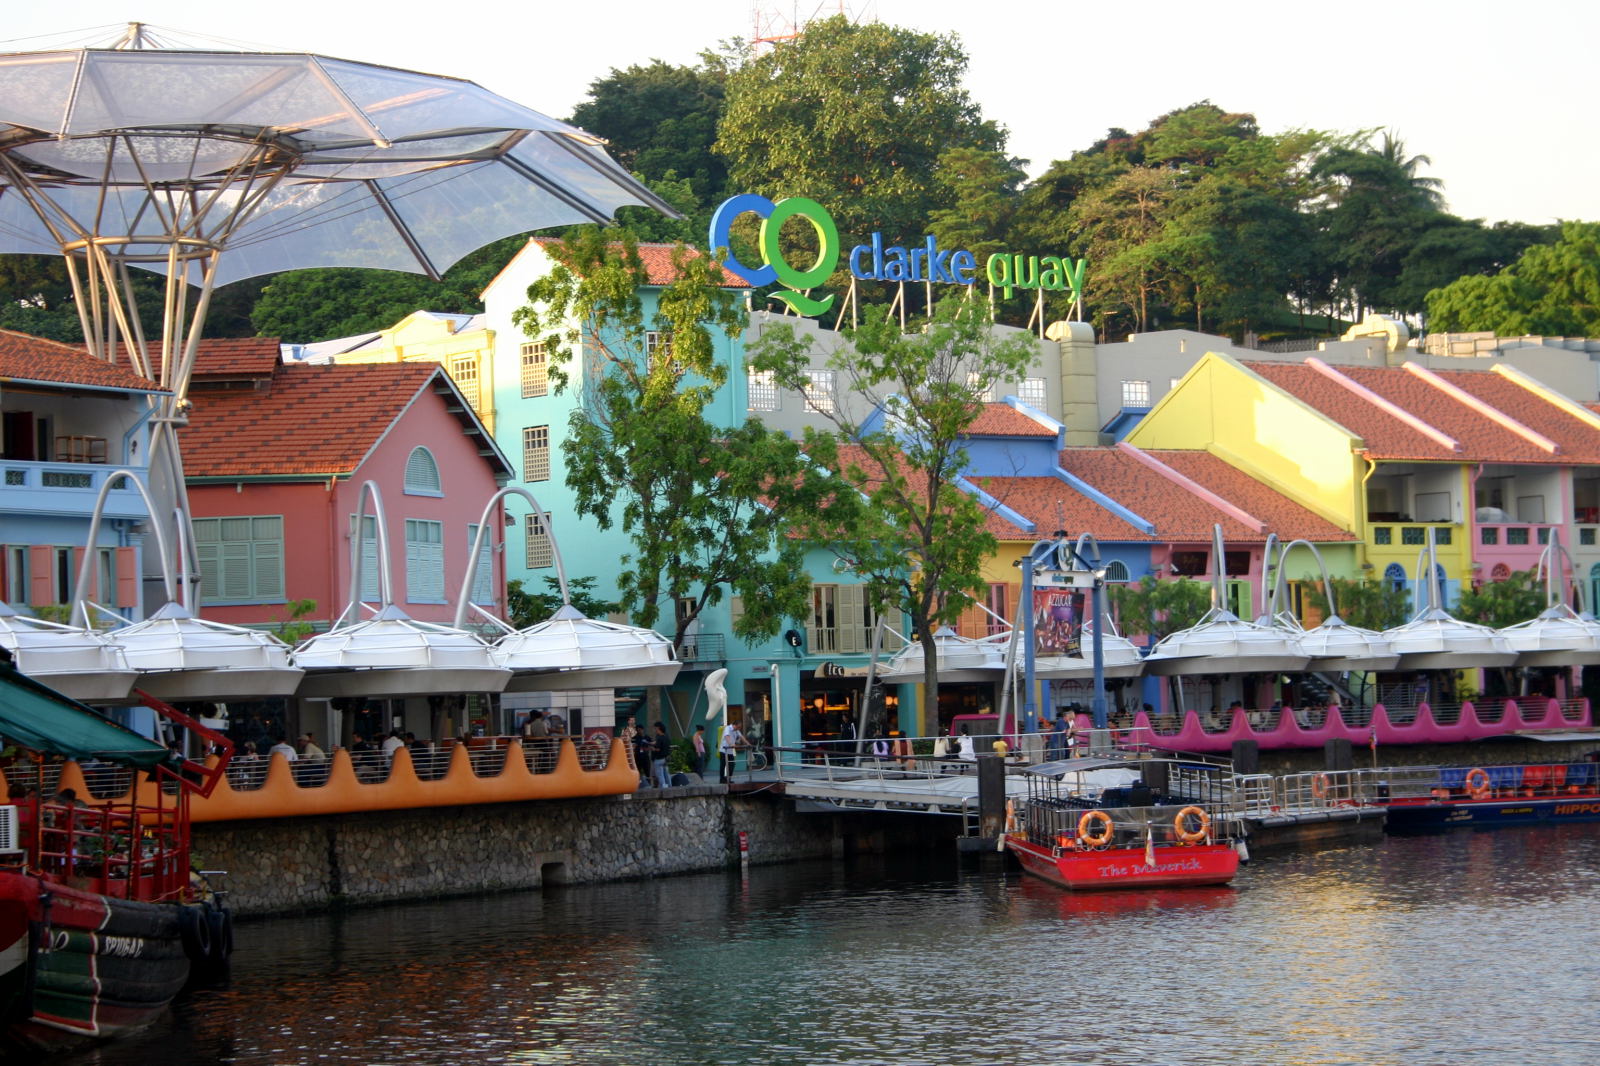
1499 96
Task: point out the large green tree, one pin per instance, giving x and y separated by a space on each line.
703 505
1551 290
857 118
660 122
905 526
1156 609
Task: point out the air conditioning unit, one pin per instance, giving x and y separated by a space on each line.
10 838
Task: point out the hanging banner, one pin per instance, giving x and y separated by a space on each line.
1058 622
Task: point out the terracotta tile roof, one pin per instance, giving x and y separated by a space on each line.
1482 438
314 420
1578 440
237 357
657 260
28 358
1282 515
996 523
1179 514
1003 420
1386 436
1047 500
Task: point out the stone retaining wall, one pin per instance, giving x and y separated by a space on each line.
312 863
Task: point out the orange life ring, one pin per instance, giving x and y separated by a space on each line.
1191 836
1477 783
1319 786
1011 816
1091 819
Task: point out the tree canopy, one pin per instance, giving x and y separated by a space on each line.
1551 290
904 525
703 505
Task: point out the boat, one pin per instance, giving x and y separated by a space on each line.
1124 837
101 922
1492 796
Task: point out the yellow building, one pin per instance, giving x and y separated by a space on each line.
462 344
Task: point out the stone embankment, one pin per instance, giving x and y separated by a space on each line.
294 865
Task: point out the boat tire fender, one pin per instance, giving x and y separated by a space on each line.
1477 783
1091 821
220 923
194 929
1180 825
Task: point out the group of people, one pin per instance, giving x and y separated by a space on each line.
651 751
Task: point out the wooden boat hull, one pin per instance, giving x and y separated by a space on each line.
76 966
1176 865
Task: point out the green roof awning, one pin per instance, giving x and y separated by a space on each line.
42 719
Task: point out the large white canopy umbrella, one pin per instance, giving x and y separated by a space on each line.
568 650
1559 636
75 662
211 166
1334 644
959 659
392 655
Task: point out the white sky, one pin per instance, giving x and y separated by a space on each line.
1499 95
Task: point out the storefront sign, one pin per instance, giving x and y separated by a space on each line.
874 261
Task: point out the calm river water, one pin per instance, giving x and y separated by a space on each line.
1467 948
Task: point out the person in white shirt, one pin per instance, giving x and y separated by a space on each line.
284 748
391 744
727 748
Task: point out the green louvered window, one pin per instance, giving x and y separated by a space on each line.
241 559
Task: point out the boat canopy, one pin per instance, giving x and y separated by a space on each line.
41 719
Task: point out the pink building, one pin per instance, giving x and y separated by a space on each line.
275 457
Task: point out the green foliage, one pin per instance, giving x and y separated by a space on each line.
293 627
1551 290
1498 604
1158 609
303 306
1366 603
524 608
914 537
660 121
856 117
703 505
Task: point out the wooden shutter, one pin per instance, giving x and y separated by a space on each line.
41 574
127 570
850 614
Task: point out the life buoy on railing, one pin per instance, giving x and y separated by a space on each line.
1011 816
1091 820
1180 825
1319 786
1477 782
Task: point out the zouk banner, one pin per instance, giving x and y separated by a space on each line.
1058 622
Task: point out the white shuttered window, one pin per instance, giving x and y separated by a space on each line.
424 561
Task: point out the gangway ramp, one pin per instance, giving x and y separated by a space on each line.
925 791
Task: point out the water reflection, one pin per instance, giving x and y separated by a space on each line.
1465 948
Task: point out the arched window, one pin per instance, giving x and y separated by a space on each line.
1116 570
422 474
1500 572
1395 575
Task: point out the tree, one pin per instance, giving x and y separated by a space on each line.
1159 608
303 306
1497 604
1365 603
1121 228
660 121
1551 290
524 608
855 117
900 519
703 505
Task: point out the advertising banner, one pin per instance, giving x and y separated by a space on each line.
1058 616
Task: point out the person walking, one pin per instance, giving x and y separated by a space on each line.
727 749
660 749
700 751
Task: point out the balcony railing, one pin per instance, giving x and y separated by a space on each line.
1531 535
703 648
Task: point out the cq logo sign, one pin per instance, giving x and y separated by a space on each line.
774 268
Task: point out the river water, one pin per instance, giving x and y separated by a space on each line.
1472 947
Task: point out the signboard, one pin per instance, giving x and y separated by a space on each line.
876 261
1058 616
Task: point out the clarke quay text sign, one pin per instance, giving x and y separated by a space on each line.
874 261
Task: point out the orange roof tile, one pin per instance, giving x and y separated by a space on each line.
1482 438
313 420
1385 436
237 357
35 359
1283 516
1003 420
996 523
1577 438
657 260
1045 501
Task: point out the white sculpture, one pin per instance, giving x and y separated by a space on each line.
716 695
